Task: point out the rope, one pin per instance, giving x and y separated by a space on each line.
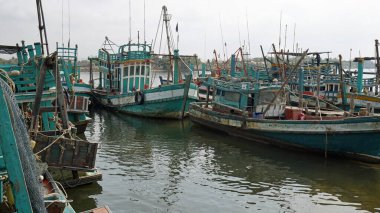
186 65
158 27
52 143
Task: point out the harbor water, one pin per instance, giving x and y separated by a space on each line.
152 165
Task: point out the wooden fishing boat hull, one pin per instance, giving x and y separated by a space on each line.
162 102
357 138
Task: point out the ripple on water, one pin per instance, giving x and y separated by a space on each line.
169 166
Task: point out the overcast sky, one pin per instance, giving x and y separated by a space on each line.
324 25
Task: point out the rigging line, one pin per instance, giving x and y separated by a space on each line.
221 33
162 32
171 36
158 28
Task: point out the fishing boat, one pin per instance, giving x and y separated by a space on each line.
77 92
39 95
36 83
26 186
126 82
261 113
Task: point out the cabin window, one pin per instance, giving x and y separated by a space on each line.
231 96
336 88
126 71
138 70
143 70
147 70
132 71
330 87
112 66
322 88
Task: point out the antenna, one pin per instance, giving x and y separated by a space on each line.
221 33
279 39
144 21
68 8
249 40
130 22
204 50
294 36
239 34
349 69
286 31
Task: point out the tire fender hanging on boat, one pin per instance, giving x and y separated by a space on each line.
139 97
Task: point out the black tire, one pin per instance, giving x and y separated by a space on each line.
139 98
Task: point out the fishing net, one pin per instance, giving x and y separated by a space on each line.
27 158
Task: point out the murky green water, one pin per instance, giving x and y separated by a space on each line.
172 166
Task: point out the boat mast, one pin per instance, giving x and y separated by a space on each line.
377 66
42 27
166 19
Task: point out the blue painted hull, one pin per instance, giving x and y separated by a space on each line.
362 144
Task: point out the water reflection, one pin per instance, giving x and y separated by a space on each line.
152 165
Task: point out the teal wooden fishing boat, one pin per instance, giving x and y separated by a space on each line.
25 73
126 85
126 81
23 186
37 94
260 112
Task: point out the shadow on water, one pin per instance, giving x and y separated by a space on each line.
152 165
87 202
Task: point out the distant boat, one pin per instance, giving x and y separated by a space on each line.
259 112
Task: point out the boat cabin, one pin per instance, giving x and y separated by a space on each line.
127 71
249 98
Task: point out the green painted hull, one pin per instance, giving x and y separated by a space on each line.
164 109
161 102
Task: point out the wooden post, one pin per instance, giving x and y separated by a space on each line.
91 75
265 61
278 60
341 83
300 88
38 98
185 95
60 99
208 95
318 90
109 69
